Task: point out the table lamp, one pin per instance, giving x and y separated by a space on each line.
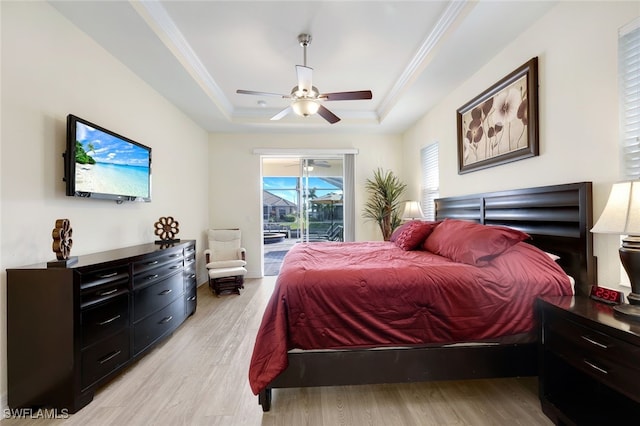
621 215
412 210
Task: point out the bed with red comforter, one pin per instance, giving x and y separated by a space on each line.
338 310
346 295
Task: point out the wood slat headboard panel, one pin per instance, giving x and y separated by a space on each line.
557 217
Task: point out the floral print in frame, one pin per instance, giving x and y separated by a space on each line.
501 124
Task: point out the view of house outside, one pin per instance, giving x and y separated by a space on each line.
284 205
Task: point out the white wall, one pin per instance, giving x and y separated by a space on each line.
576 44
236 187
51 69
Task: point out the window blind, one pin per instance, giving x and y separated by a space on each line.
430 180
629 81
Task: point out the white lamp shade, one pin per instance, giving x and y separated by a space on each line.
621 214
305 107
412 210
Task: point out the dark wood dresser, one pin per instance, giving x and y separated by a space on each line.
589 372
69 330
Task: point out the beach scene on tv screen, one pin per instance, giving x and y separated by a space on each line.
106 164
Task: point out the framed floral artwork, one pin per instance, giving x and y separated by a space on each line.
501 124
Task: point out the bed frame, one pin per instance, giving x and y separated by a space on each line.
558 218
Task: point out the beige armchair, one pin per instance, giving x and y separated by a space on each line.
225 259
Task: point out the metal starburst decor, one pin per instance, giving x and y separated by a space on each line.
166 228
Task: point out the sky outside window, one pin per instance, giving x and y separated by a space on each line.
285 186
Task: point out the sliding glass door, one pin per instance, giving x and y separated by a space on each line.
303 201
322 189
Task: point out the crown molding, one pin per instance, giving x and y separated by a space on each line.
445 23
163 26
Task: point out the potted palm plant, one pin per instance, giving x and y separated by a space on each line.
383 206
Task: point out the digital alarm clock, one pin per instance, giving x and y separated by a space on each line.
606 295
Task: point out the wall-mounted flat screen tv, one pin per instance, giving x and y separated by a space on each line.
102 164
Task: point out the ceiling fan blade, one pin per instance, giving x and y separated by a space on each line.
251 92
304 78
282 113
347 96
319 163
328 115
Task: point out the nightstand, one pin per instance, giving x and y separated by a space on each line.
589 362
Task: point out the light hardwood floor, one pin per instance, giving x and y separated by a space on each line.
199 377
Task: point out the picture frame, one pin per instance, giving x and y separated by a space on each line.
501 124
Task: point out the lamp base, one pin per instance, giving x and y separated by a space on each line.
631 312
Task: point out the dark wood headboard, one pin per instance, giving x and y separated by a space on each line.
557 217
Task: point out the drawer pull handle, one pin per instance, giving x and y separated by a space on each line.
109 357
595 367
108 292
593 342
109 275
105 322
166 319
191 299
176 267
163 292
192 276
150 277
152 263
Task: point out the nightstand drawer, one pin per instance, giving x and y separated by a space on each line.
601 365
580 340
593 343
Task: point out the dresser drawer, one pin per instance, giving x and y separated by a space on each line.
157 325
190 253
103 277
169 256
190 278
604 357
104 319
191 296
191 290
151 276
157 296
103 293
101 359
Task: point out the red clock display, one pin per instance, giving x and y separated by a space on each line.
606 295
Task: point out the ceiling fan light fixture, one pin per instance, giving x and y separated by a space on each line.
305 97
305 107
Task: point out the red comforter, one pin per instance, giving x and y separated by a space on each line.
364 294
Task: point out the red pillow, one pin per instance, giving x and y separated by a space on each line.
411 235
399 230
470 242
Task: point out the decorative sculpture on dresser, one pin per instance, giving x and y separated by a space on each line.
167 228
62 243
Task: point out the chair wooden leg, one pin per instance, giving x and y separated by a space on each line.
227 284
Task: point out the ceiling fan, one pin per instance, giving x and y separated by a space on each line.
305 98
318 163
